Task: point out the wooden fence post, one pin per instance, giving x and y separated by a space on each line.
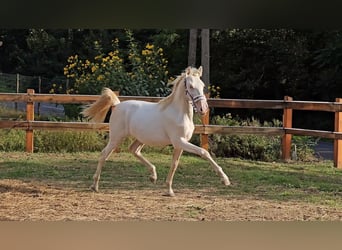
29 117
204 138
287 123
337 142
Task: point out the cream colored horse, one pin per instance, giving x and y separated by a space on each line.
169 121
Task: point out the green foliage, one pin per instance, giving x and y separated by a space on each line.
303 147
69 141
142 72
255 147
12 140
258 63
65 141
53 141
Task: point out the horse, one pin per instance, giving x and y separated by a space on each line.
167 122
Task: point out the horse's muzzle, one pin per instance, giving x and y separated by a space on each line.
202 106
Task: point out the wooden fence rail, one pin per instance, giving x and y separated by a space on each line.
286 132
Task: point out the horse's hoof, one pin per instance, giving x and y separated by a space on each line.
226 181
153 179
93 188
169 194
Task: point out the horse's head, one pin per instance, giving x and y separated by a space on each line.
194 89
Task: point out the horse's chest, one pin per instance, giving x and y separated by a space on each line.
188 131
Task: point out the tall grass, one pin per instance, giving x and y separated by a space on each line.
53 141
64 141
12 140
69 141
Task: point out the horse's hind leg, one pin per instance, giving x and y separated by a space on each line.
112 144
136 148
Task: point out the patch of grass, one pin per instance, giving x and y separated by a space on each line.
64 141
317 183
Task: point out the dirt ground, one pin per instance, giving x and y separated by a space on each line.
29 201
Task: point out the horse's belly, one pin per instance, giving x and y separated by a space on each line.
152 137
150 132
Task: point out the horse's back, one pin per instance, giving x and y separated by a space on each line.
142 120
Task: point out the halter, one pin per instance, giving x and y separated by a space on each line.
193 98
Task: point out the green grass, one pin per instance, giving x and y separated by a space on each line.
315 183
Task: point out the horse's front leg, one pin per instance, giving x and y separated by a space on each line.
177 152
187 146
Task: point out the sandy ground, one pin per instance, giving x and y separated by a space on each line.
29 201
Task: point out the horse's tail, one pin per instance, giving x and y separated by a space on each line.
97 111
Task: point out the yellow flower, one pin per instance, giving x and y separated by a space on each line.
149 46
145 52
70 59
100 77
116 40
93 69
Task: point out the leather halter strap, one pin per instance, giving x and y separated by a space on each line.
193 98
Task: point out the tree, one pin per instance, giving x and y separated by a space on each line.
192 47
205 55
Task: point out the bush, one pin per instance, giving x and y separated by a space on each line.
69 141
65 141
255 147
303 148
142 71
53 141
12 140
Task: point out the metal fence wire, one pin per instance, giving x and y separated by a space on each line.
18 83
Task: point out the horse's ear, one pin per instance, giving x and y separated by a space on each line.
188 71
200 70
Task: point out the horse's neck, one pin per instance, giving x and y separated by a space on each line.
181 103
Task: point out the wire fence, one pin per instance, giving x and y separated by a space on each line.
18 83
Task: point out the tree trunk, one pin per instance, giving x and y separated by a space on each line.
205 57
192 47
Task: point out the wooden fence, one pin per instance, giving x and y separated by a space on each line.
286 132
